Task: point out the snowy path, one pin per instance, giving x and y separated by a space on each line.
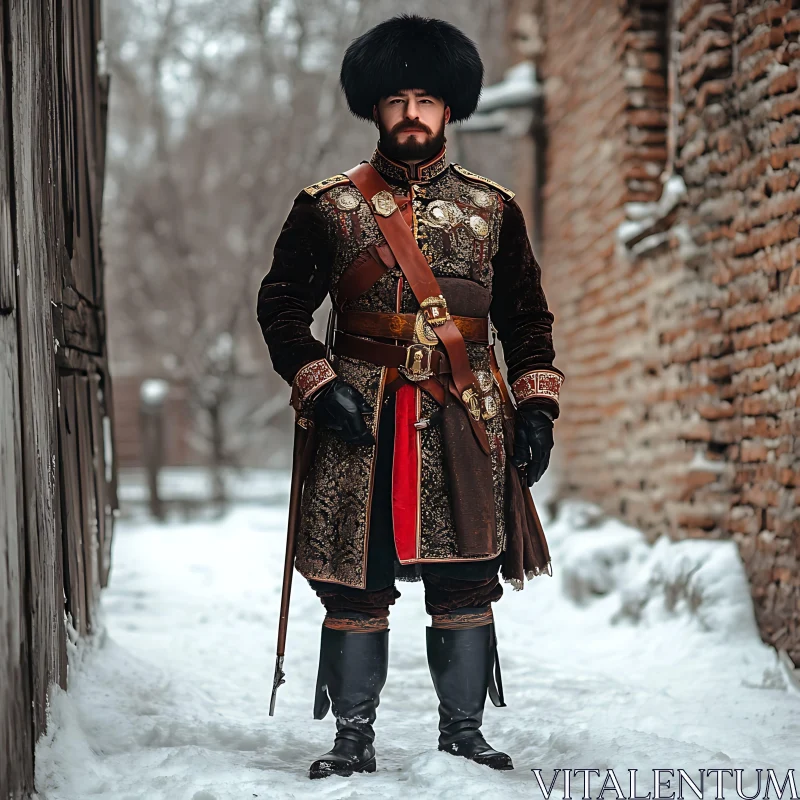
170 702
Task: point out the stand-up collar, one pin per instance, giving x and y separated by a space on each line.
417 173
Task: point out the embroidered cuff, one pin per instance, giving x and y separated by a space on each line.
311 377
539 383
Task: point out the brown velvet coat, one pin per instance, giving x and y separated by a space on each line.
321 237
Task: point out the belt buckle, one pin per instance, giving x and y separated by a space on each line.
435 310
418 362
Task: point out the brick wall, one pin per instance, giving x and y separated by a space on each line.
678 303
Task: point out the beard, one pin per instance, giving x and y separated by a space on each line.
419 147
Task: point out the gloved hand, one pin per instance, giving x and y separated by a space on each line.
533 441
339 407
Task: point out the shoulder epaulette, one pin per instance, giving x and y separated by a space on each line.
317 188
471 176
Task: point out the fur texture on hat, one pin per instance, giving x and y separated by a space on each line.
412 52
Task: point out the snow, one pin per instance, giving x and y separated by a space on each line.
195 485
642 216
632 656
517 91
519 87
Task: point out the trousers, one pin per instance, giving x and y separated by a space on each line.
449 587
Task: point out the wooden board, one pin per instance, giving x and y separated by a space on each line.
72 507
16 765
111 462
81 322
16 742
30 34
88 497
104 515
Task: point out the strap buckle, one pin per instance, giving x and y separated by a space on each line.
417 366
435 310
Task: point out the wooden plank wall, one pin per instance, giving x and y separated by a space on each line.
15 685
57 469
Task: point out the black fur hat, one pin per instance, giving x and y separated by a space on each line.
412 52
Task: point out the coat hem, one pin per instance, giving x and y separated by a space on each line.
314 577
450 559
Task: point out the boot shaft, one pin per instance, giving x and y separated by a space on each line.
461 662
352 672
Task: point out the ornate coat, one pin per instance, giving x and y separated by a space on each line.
470 230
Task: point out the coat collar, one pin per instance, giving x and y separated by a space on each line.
410 173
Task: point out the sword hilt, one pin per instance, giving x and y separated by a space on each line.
277 681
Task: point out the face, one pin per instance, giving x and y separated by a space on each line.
411 124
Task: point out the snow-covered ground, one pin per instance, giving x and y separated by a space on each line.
630 657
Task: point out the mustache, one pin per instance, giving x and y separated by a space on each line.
410 125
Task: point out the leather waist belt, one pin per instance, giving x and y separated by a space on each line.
420 360
401 326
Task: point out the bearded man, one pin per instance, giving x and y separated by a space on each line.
423 458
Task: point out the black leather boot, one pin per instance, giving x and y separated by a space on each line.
461 662
352 672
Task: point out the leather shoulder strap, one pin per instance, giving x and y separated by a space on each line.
422 281
398 235
368 268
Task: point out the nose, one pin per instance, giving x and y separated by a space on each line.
412 109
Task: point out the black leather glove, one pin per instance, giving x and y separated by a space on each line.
339 407
533 441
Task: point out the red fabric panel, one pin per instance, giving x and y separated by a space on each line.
405 469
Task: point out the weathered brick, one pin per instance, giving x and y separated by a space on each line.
759 496
715 411
708 16
789 477
753 451
761 238
751 44
708 40
782 156
781 84
709 91
757 70
782 107
743 519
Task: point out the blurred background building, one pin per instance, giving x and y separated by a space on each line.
654 147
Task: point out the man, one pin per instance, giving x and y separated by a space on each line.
421 459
